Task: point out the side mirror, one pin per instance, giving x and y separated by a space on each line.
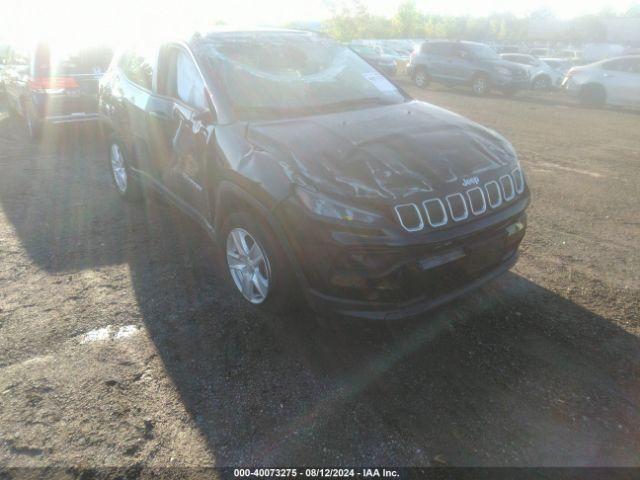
205 116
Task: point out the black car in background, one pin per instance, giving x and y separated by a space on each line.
313 172
376 57
57 86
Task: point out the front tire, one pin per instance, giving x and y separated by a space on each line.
421 78
258 269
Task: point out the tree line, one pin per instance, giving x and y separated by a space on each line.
352 20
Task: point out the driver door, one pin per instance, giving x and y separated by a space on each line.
184 130
461 64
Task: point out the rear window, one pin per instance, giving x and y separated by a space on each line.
93 60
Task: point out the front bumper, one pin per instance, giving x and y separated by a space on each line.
372 311
402 278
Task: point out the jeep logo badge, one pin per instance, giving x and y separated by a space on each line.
470 181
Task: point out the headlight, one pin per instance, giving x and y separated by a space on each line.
326 207
503 71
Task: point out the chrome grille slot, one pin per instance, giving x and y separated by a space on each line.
410 217
476 201
518 179
436 213
457 207
507 187
493 193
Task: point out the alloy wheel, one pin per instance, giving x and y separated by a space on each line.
248 265
118 168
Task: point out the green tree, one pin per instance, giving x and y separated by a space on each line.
408 22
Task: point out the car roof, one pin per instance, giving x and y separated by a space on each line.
456 42
252 31
620 57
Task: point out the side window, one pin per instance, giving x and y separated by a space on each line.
461 53
629 65
137 68
438 48
189 87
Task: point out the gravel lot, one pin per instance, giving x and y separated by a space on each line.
120 346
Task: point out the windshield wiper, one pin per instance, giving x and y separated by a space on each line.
304 110
355 102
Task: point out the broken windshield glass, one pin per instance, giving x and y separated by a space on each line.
294 74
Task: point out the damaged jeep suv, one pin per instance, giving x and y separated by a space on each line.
314 172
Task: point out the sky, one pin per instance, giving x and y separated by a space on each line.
24 21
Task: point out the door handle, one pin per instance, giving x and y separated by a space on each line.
607 75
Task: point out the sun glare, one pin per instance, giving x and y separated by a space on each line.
122 21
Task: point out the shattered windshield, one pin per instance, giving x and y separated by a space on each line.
280 75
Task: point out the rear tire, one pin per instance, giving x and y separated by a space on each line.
268 283
480 84
421 78
593 95
125 183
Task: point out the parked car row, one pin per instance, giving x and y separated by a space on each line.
615 81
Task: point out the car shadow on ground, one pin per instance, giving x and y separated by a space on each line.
511 375
65 226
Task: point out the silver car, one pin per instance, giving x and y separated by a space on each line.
542 76
614 81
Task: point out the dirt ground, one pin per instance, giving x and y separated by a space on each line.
120 345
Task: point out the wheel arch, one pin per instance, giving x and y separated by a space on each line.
231 197
595 86
422 67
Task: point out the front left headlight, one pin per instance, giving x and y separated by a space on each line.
503 70
324 206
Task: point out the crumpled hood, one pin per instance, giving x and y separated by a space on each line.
387 153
